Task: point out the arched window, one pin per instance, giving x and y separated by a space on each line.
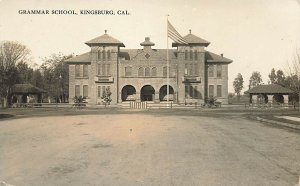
108 55
165 72
196 55
103 55
141 72
191 55
147 71
186 55
154 72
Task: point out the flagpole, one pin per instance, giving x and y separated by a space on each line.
168 69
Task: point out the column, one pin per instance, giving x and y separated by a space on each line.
270 100
156 97
254 100
285 100
138 96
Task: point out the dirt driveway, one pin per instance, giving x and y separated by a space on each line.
137 149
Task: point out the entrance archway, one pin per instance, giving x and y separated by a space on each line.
163 93
147 93
128 93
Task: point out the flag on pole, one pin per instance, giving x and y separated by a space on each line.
173 34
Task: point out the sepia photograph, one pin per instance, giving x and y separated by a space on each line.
137 92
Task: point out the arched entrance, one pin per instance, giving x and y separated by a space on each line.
128 93
163 93
147 93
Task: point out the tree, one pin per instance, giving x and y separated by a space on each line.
11 54
293 78
272 76
277 77
255 79
106 96
56 76
238 84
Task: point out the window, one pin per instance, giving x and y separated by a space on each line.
99 92
190 72
103 55
196 55
99 69
85 71
210 71
128 71
219 71
77 70
191 55
196 69
77 90
103 70
191 92
211 90
186 55
108 55
141 72
196 92
165 72
147 71
185 69
108 69
153 72
99 55
219 90
85 91
186 88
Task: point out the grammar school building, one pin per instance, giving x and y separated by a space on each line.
141 74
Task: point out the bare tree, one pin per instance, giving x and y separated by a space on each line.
293 71
11 53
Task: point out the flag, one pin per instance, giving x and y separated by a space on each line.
173 34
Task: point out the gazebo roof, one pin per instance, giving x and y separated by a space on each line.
270 89
26 89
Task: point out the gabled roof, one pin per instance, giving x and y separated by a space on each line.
83 58
212 58
105 39
193 40
271 89
26 89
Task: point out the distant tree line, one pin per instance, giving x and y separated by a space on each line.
15 68
290 79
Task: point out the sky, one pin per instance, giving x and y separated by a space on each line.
257 35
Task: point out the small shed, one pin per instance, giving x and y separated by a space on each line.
272 93
26 93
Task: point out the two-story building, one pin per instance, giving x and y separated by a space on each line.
142 74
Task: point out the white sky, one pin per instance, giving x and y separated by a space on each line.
257 35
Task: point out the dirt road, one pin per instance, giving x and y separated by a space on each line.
137 149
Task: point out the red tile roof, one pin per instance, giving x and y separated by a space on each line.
106 40
271 89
